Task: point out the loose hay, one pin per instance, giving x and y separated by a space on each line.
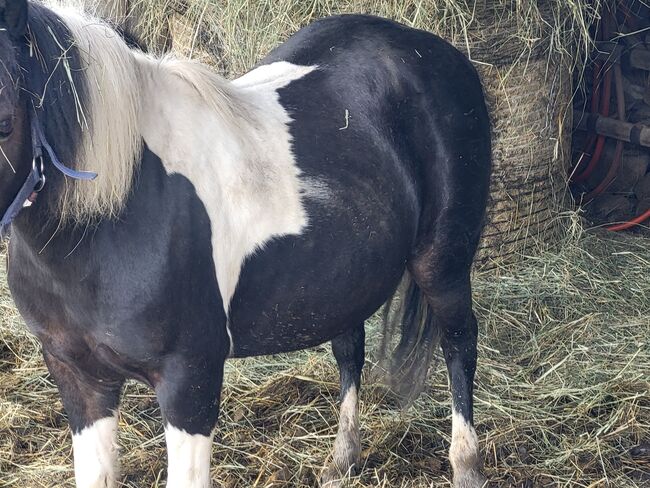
562 395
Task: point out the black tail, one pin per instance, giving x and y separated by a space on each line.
410 321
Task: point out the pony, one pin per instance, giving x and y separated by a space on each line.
164 219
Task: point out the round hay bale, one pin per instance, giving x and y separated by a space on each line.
524 52
531 141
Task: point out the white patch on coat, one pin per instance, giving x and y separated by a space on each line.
95 454
464 453
232 141
188 459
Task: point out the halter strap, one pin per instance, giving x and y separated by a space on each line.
24 198
39 142
36 178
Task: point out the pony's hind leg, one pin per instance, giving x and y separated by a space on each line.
91 405
441 268
459 335
349 350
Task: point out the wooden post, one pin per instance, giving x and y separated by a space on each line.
638 134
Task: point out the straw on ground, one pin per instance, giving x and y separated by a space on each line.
562 395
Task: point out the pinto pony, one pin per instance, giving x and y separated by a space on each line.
232 219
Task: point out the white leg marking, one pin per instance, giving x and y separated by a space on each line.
347 446
95 454
188 459
464 454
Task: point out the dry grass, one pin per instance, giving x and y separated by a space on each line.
237 33
562 393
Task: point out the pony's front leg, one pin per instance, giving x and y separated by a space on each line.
91 404
188 393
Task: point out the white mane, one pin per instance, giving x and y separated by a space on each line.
111 143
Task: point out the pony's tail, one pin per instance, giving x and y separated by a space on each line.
409 323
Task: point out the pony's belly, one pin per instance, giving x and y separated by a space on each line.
289 325
266 338
302 291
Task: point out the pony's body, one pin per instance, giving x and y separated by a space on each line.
270 214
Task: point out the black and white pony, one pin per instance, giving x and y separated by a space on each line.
231 219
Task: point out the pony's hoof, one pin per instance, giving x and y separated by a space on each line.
333 478
470 479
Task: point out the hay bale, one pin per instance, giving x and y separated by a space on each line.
524 52
528 90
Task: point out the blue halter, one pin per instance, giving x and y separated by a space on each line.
36 178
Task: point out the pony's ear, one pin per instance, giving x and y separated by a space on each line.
13 16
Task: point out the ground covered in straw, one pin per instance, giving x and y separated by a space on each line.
562 393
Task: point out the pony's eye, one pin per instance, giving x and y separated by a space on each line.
6 127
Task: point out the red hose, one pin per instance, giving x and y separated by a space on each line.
593 162
635 221
616 162
578 175
594 107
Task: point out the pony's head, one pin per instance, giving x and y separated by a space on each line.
15 136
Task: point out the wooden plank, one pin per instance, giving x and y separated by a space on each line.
624 131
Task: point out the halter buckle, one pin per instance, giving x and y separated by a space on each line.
41 173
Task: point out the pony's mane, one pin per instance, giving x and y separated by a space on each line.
218 93
90 96
87 98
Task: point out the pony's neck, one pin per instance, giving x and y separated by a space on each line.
182 110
